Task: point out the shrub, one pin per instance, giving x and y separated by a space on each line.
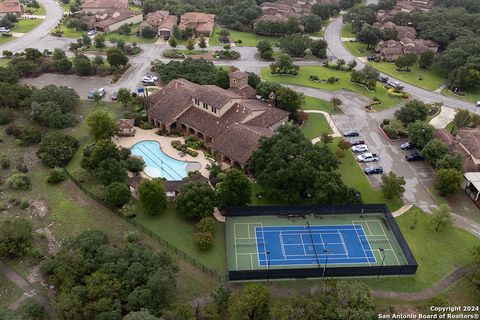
203 240
56 150
131 236
117 193
205 225
173 54
21 167
57 175
5 162
19 181
6 116
13 130
31 135
129 210
16 236
24 204
195 201
176 144
448 181
192 153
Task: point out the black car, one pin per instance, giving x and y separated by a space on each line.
351 133
373 170
356 142
407 146
414 156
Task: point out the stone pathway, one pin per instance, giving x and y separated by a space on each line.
426 294
402 210
445 116
218 215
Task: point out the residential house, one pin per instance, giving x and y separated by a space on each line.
112 20
282 10
94 6
409 5
471 185
201 23
466 143
11 6
230 122
160 20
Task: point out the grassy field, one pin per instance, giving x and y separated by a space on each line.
347 31
9 292
249 39
26 25
37 11
312 103
430 79
358 49
130 38
306 71
192 52
68 32
437 253
470 96
315 126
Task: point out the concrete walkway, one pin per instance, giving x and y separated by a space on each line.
427 294
331 123
402 210
218 215
445 116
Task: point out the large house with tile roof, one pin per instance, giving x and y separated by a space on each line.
231 122
201 23
466 143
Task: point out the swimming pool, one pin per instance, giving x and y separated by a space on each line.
158 164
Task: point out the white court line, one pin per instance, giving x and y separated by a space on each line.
361 244
235 244
394 254
343 243
303 246
313 259
296 244
282 246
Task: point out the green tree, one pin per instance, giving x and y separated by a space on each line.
124 96
319 48
405 61
16 236
100 41
202 43
289 100
462 119
111 170
172 42
125 29
117 193
284 65
412 111
264 89
152 196
441 217
448 181
66 98
312 23
56 149
449 161
253 79
434 151
263 46
221 296
392 185
195 200
135 164
140 315
251 303
82 65
235 189
420 133
295 45
190 44
369 35
30 309
426 59
116 57
102 126
87 42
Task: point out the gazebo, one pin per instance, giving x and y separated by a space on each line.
126 127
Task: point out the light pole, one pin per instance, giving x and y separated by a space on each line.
268 266
326 262
383 260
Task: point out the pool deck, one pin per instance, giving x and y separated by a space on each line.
165 145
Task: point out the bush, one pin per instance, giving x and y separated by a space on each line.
203 240
131 236
31 135
173 54
5 162
205 225
176 144
24 204
6 116
13 130
19 181
56 150
117 193
195 201
448 181
129 210
16 236
57 175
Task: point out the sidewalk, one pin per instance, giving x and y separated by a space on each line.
445 116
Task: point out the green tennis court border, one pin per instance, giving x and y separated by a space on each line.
392 253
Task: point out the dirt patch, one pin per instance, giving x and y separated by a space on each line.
53 244
205 56
30 158
34 275
39 208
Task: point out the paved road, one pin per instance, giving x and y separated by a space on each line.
338 51
39 37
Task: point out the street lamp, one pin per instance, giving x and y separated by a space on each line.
326 262
383 260
268 266
259 196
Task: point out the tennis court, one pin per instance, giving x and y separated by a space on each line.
309 241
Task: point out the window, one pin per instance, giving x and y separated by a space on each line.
214 110
205 106
197 102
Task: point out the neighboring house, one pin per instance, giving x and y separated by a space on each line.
94 6
471 185
201 23
230 123
160 20
283 9
11 6
466 143
409 5
112 20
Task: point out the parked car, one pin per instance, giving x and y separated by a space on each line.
414 156
91 94
382 79
351 133
373 170
395 84
356 142
407 146
114 95
368 157
360 148
373 57
101 92
149 79
4 29
92 32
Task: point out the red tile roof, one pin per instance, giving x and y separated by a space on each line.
105 4
11 6
202 22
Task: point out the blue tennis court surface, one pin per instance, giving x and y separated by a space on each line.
304 245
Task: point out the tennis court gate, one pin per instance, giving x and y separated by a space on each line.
357 271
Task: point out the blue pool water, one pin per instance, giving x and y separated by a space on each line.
157 163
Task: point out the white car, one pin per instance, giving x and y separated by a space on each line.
149 79
368 157
102 91
92 32
360 148
4 29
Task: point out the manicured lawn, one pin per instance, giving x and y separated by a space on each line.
65 6
319 33
134 7
303 79
315 126
26 25
470 96
430 79
68 32
9 292
312 103
358 49
437 253
37 11
131 37
248 39
347 31
193 52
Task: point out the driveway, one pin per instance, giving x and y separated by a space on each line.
80 84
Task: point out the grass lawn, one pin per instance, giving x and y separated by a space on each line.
26 25
68 32
249 39
431 80
358 49
347 31
319 33
437 253
131 37
192 52
303 79
9 292
65 6
315 126
470 96
312 103
134 7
